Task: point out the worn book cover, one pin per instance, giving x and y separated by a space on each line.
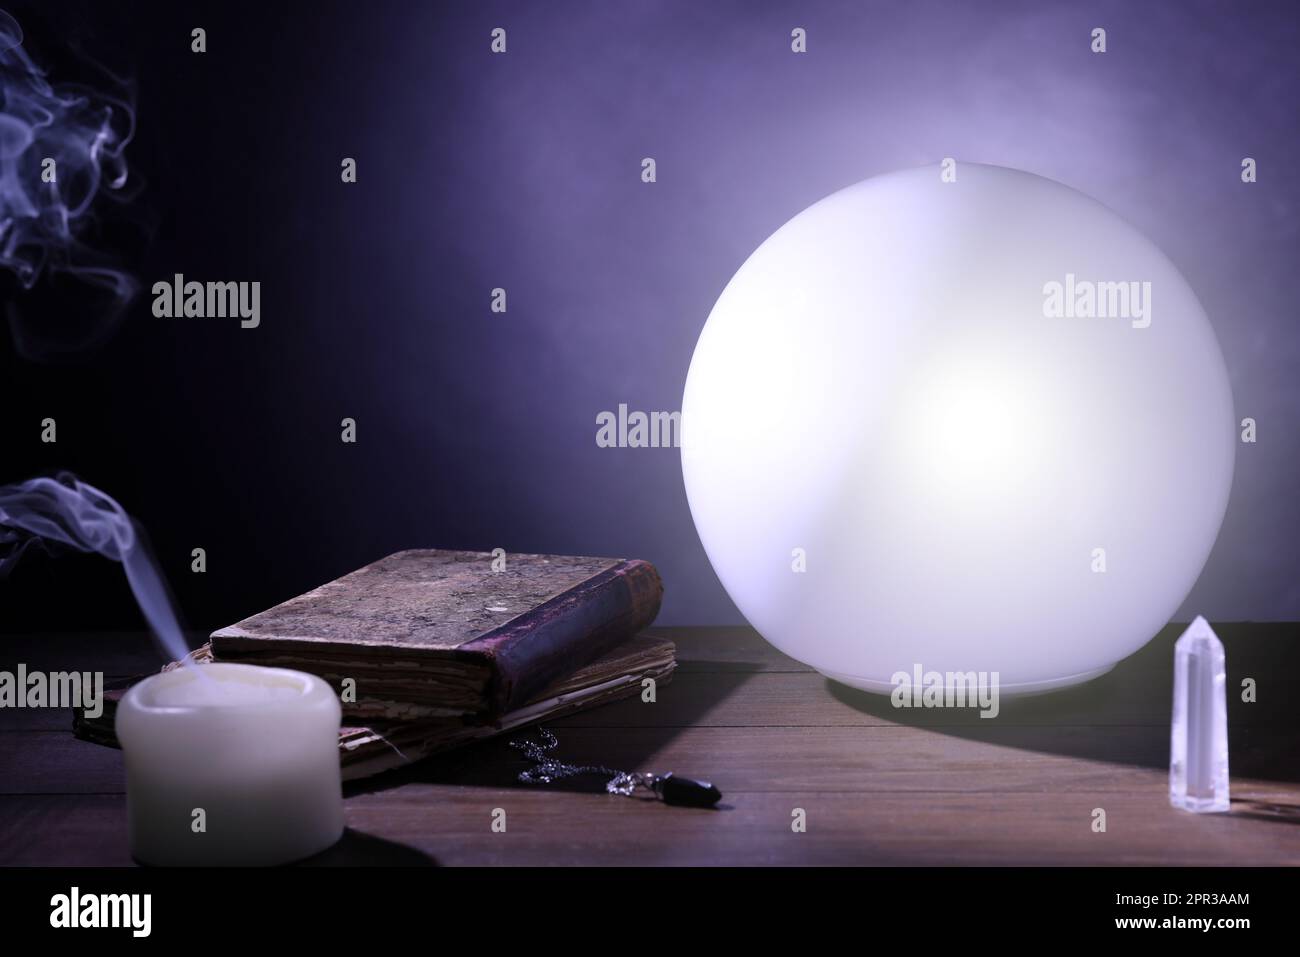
368 748
436 633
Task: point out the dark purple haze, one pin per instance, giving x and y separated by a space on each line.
477 430
522 171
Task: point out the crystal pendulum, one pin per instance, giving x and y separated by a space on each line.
669 788
1198 752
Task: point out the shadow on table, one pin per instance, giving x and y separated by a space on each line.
1123 716
358 849
618 736
1266 811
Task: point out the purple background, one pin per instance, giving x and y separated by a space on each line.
523 171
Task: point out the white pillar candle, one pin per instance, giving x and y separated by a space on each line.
231 764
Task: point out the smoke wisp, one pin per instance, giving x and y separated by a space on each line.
66 511
62 147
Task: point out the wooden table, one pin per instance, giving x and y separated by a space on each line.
877 785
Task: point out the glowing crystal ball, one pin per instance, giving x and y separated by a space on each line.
980 425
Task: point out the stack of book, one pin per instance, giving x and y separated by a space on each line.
430 648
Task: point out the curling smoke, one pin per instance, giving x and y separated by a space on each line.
46 209
69 512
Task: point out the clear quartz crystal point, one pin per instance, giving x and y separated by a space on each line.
1198 751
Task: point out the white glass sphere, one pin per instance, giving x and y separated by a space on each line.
906 393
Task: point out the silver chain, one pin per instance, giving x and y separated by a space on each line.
547 768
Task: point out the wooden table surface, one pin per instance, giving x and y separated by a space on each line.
877 785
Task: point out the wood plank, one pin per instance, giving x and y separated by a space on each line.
54 762
1258 645
714 650
451 826
879 785
834 759
878 759
63 830
891 756
735 697
809 700
704 649
13 720
948 828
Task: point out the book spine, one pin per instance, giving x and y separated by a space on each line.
568 631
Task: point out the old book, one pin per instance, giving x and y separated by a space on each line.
366 749
433 633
